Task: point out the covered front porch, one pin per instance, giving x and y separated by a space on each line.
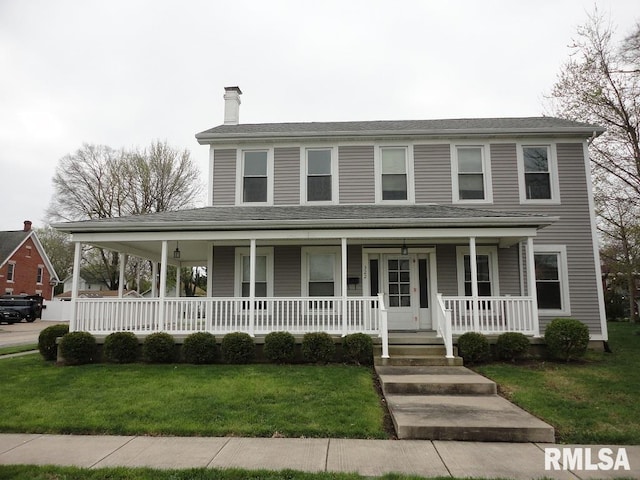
449 273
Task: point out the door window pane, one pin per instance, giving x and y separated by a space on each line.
399 282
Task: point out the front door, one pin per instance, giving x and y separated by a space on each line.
405 286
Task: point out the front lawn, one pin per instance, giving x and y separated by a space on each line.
594 401
189 400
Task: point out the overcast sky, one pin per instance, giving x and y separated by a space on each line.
124 72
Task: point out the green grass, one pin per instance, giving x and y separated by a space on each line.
28 472
18 349
189 400
592 401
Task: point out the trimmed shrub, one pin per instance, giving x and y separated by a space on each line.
358 348
512 346
47 340
120 347
473 347
78 348
238 347
200 348
279 347
159 347
566 339
318 347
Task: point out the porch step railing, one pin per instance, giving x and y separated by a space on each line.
443 325
334 315
492 315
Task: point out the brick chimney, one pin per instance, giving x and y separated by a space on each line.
27 225
232 105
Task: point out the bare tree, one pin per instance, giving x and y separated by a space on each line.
99 182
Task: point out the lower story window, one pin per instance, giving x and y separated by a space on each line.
483 272
321 274
548 286
261 275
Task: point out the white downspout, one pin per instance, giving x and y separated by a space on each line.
343 275
531 287
163 285
77 258
473 265
252 287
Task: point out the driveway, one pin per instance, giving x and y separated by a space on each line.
22 333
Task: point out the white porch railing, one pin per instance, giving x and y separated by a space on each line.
443 325
184 315
492 315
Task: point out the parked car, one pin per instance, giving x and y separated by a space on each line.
9 316
28 307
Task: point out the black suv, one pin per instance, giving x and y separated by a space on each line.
28 307
9 316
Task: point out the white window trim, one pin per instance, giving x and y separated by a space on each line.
245 252
486 174
493 267
553 173
240 175
334 176
40 271
11 265
337 271
563 274
409 161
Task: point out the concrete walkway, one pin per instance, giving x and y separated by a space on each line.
366 457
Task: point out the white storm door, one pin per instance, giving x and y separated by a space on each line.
400 284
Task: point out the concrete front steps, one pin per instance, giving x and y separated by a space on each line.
454 403
418 349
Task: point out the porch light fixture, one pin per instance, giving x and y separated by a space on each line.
176 252
404 250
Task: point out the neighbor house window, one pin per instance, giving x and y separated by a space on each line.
11 271
551 278
470 173
39 274
393 170
486 267
319 175
255 177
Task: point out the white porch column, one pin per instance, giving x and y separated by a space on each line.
178 273
252 287
77 258
344 286
210 271
163 285
123 263
531 287
154 282
473 265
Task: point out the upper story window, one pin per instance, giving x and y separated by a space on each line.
538 174
393 174
11 271
39 274
471 174
255 176
320 175
28 254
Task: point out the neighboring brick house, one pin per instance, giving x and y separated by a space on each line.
25 268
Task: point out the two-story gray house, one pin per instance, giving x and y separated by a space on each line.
439 226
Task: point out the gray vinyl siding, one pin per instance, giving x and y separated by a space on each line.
287 271
574 230
354 269
223 271
509 271
504 173
432 173
224 177
286 182
357 174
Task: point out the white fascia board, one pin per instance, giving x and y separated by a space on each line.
310 234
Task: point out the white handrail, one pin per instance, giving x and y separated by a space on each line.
492 315
444 325
384 330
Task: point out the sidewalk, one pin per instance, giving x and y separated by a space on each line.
366 457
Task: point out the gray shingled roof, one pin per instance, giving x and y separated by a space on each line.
307 216
9 241
461 126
